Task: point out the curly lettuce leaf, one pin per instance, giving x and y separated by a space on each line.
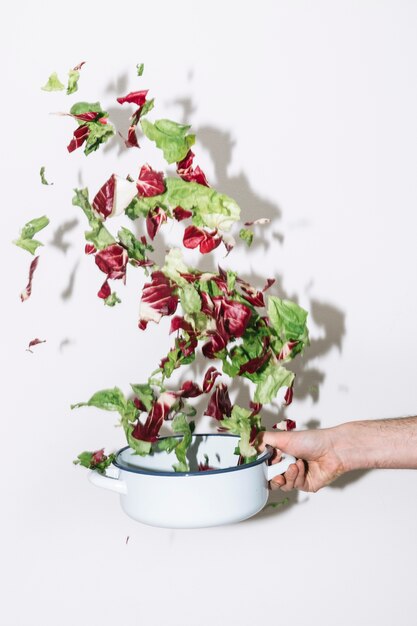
270 382
42 175
241 423
27 233
209 207
288 321
73 77
246 235
180 425
112 299
140 67
145 395
170 137
106 399
53 83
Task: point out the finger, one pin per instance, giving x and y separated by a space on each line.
276 439
290 477
301 478
277 456
277 482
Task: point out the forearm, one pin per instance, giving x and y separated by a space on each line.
390 443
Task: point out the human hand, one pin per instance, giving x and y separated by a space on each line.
318 461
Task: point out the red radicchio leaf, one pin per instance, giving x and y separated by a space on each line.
90 248
28 289
139 404
34 342
178 322
88 116
254 364
132 140
219 404
189 389
187 172
235 315
104 200
252 295
159 412
80 135
98 457
154 220
150 183
268 283
105 290
79 66
209 379
181 214
218 340
194 237
288 396
112 261
204 467
256 408
134 97
158 299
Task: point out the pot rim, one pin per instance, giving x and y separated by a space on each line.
266 455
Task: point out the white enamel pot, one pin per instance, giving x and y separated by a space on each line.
151 492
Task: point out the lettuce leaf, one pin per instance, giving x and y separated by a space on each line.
180 425
27 233
240 423
288 321
145 395
73 76
270 382
209 207
53 83
246 235
170 137
107 399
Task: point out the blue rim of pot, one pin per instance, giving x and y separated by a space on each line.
266 455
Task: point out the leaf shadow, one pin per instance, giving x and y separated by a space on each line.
58 241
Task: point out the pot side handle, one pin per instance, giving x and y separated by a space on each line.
281 467
107 482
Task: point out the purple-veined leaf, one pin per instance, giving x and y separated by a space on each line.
105 291
80 136
260 221
181 214
159 298
34 342
134 97
159 412
150 182
28 289
219 404
187 172
197 237
112 261
154 220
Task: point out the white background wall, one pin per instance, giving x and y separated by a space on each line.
305 113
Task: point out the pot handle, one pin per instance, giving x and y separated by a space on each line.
281 467
107 482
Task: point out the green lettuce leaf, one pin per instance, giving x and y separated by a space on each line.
42 175
240 423
180 425
140 67
107 399
53 84
209 207
246 235
27 233
167 444
112 299
170 137
148 106
99 235
99 133
271 380
135 249
288 319
145 395
190 299
73 76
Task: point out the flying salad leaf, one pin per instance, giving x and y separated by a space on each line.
27 233
180 425
42 175
94 122
53 83
241 422
99 236
170 137
271 380
209 207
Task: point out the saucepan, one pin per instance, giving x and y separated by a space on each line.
215 491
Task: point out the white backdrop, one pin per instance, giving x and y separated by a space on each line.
305 113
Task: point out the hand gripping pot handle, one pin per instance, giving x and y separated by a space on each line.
281 467
107 482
